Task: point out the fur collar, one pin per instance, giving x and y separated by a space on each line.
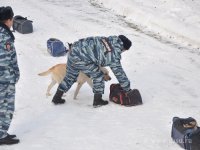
8 30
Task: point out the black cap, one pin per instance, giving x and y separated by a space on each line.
6 13
126 42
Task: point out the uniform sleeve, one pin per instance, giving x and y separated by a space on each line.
14 63
120 75
8 57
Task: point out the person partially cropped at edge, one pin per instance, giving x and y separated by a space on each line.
87 55
9 75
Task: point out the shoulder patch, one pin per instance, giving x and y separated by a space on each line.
8 46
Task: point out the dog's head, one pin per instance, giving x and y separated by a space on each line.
106 77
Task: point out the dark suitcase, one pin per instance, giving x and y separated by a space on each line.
186 133
22 25
118 96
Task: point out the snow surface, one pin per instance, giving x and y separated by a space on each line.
165 71
173 20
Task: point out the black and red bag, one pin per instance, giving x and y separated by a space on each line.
118 96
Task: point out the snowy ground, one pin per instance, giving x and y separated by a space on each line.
168 78
172 20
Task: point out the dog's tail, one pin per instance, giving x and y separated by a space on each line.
45 73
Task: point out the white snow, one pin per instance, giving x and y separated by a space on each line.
165 70
175 20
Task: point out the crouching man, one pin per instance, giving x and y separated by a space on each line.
87 55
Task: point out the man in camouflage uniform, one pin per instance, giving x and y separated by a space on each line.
9 75
87 55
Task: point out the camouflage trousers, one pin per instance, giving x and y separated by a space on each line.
74 66
7 106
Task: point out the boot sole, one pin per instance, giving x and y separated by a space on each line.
96 106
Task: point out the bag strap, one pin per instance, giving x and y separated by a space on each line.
107 46
22 18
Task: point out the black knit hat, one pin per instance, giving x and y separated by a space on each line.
126 42
6 13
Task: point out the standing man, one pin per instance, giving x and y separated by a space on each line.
87 55
9 75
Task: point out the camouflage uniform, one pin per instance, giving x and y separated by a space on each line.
88 54
9 75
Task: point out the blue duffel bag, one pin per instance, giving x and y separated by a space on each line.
186 133
55 47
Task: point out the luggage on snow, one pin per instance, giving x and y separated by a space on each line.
56 48
186 133
118 96
22 25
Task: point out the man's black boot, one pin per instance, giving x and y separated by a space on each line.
98 101
8 141
11 136
57 99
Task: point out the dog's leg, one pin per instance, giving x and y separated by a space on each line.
53 82
79 85
89 81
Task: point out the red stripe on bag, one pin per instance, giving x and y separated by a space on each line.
129 100
121 100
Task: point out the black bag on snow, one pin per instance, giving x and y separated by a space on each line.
56 48
118 96
186 133
22 25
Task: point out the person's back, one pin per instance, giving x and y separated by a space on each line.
101 51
